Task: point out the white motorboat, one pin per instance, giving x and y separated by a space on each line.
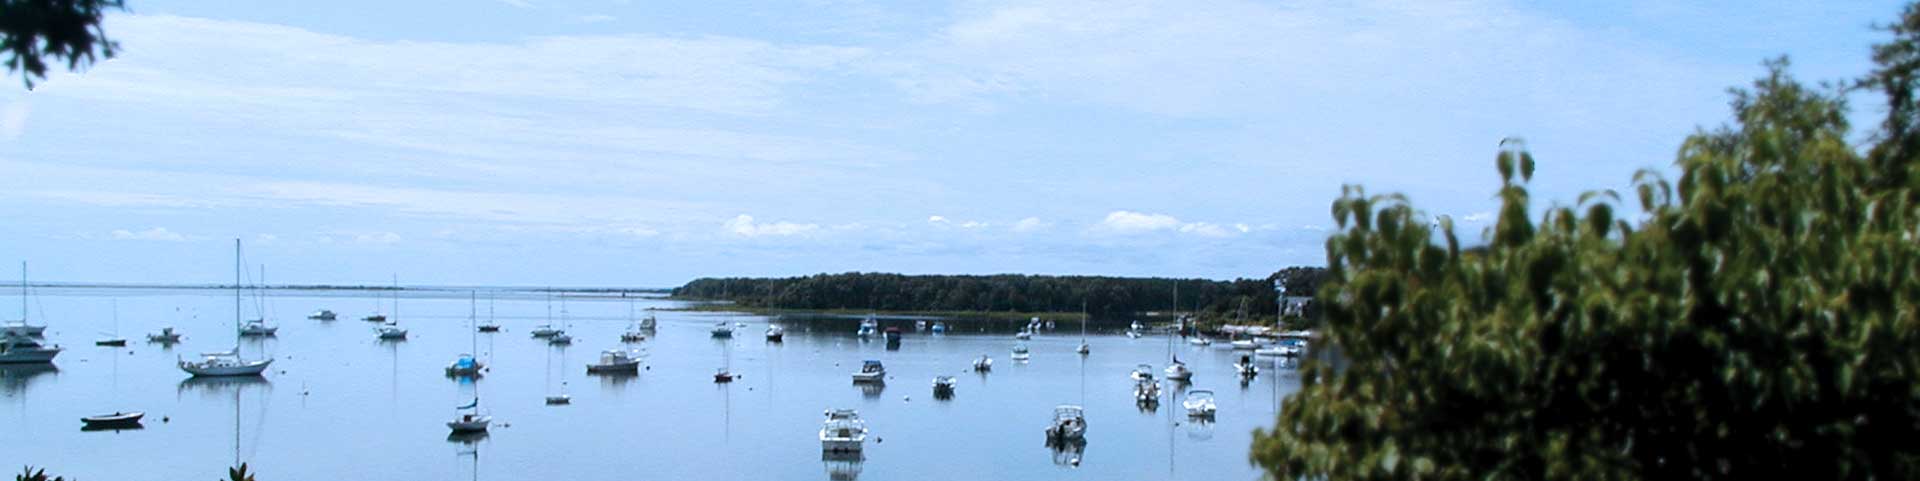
1084 348
323 315
391 332
258 328
616 361
919 325
1199 403
215 364
1246 368
843 431
473 421
722 330
560 338
1143 372
229 363
943 386
939 327
1245 344
871 371
1069 423
545 330
115 420
983 364
776 333
1178 372
1146 391
166 336
1020 352
869 327
25 349
1136 326
1200 341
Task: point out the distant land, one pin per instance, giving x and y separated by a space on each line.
344 287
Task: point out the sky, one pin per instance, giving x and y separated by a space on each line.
617 143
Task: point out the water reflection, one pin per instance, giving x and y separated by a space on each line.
212 386
1067 453
872 390
1199 429
16 378
841 465
112 427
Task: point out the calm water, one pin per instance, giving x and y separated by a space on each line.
338 404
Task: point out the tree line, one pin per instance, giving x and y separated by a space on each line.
1103 296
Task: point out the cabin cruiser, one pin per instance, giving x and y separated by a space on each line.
224 364
1020 352
1178 371
983 364
722 330
1143 372
939 327
1146 391
869 327
21 329
616 361
1199 403
1069 423
391 332
258 327
943 386
1245 367
545 330
871 371
166 336
24 349
560 338
775 333
465 365
919 325
323 315
843 431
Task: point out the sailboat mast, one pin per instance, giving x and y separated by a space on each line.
23 292
473 318
236 337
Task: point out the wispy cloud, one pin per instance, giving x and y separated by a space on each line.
595 18
154 234
1030 224
744 226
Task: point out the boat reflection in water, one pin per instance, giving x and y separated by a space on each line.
1067 453
842 465
872 390
16 378
212 386
1199 429
115 427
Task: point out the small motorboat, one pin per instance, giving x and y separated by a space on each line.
1199 403
465 365
115 420
983 364
1136 326
723 376
375 318
22 329
545 330
1245 345
559 399
1146 391
488 327
869 327
633 335
648 323
1177 371
1143 372
111 341
323 315
1246 368
616 361
1084 349
843 431
22 349
1020 353
391 332
722 330
919 325
166 336
943 387
257 328
1200 341
1069 423
560 338
775 333
871 371
939 327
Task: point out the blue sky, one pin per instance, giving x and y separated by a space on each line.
534 142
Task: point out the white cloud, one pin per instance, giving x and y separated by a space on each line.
154 234
1243 228
744 226
596 18
1204 229
1129 221
13 120
1030 224
942 221
376 238
1481 216
517 3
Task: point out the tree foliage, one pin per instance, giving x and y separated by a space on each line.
33 31
1756 319
1104 297
29 474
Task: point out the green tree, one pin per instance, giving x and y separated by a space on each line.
1756 320
29 474
33 31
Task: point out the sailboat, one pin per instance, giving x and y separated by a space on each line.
562 397
472 421
258 326
725 373
490 326
1084 348
391 331
20 328
215 364
468 364
114 339
634 332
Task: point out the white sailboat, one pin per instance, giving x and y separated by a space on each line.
472 421
258 326
634 332
391 330
468 364
229 363
21 328
113 339
489 326
1084 348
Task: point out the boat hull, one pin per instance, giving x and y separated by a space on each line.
29 356
115 419
869 376
247 369
841 445
624 368
475 426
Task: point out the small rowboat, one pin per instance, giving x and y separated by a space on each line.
115 419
